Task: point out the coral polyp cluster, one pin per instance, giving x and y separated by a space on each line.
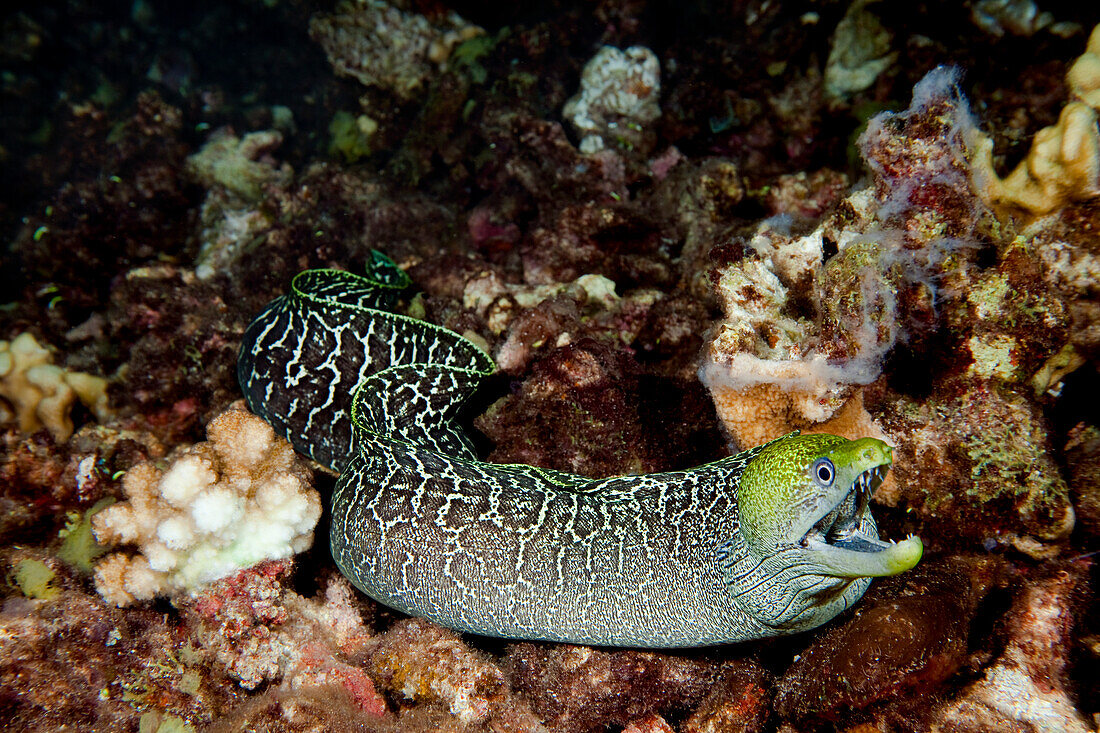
223 505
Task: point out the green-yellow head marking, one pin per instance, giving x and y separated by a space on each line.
812 491
808 545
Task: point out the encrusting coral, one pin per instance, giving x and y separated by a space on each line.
221 506
258 629
42 394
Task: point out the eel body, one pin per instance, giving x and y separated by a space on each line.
775 540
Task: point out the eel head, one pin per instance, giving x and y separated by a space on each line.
808 544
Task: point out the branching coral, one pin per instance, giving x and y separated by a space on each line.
41 394
221 506
1083 77
1063 164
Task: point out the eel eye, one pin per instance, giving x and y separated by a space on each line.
823 472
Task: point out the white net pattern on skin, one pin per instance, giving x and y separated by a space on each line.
516 551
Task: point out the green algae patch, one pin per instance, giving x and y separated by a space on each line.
350 136
154 722
35 579
79 547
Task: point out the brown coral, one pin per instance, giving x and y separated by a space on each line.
579 689
907 637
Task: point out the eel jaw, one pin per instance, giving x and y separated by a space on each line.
844 540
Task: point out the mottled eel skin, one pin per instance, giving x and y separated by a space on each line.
775 540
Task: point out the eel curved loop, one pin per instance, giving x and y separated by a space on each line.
775 540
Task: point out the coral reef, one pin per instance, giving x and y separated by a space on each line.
223 505
984 454
179 335
45 486
79 664
736 189
426 664
36 393
1083 455
738 703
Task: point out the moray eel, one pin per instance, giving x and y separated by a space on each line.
775 540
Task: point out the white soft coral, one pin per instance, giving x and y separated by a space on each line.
221 506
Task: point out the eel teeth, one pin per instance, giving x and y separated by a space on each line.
838 525
865 486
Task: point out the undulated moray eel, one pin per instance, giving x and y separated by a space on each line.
775 540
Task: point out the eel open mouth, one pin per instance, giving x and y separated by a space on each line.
846 540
